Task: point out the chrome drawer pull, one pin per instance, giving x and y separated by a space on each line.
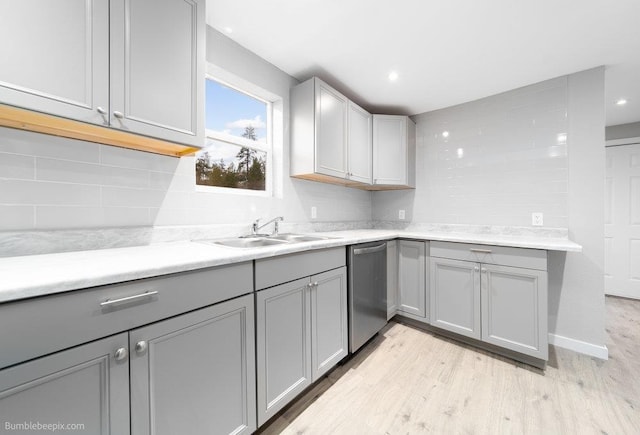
481 251
109 302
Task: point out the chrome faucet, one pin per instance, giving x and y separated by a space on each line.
256 226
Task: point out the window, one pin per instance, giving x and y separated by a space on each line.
238 152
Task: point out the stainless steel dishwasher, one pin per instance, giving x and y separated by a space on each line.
367 292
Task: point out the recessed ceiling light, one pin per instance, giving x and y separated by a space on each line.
621 102
445 134
228 30
393 76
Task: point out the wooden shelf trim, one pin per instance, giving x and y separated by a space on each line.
23 119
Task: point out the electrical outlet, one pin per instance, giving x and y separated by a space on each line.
536 219
314 212
401 215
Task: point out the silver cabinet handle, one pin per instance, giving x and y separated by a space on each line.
141 346
109 302
120 354
315 284
481 251
118 115
101 111
370 250
476 269
484 270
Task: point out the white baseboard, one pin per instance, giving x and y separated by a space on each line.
579 346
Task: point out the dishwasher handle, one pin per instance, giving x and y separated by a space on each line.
370 250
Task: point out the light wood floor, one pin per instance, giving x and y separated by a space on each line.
407 381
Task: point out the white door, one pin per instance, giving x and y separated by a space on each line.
622 221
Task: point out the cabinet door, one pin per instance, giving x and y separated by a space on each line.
412 278
195 373
157 68
455 296
329 339
283 345
359 144
390 149
331 131
84 387
514 309
392 278
55 57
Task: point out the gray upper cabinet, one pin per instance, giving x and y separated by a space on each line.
412 284
55 57
514 307
394 152
455 296
330 136
195 373
283 339
137 66
359 144
87 386
329 340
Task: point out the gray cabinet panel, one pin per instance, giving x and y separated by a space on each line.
412 278
83 386
514 309
455 296
331 131
157 68
284 268
392 278
196 373
55 57
329 342
55 322
283 341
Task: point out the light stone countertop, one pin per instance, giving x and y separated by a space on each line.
38 275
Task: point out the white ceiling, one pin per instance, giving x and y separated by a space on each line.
446 52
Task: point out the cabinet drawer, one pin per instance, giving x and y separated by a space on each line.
502 255
35 327
285 268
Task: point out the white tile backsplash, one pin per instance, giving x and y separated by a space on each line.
17 166
501 161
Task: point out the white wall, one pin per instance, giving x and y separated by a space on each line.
48 182
505 157
576 298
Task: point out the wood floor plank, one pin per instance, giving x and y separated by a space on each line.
408 381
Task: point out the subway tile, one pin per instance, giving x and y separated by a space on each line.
126 158
17 166
167 181
43 145
50 217
48 193
16 217
126 216
67 171
126 197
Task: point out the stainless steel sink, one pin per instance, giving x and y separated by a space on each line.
298 238
253 242
261 241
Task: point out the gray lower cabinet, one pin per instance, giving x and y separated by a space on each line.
454 293
195 373
491 293
86 388
412 284
514 309
392 278
301 334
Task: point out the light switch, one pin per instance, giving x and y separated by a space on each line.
401 215
314 212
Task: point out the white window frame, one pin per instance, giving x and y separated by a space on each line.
266 147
